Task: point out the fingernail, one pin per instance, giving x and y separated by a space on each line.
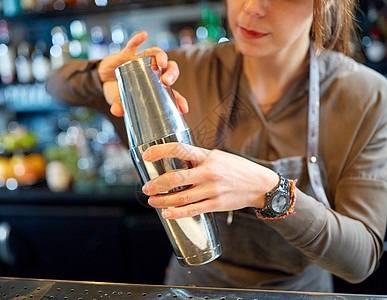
146 155
166 214
145 189
117 110
113 109
169 78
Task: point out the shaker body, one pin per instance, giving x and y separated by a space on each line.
195 239
151 118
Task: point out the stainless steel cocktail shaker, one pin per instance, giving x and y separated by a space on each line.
151 117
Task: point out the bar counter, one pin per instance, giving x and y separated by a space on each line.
36 289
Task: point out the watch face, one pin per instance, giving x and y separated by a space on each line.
279 202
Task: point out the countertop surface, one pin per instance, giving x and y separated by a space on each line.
34 289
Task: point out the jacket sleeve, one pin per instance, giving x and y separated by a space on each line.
348 239
76 83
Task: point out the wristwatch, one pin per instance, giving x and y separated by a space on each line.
277 200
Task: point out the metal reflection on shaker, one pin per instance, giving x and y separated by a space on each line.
151 117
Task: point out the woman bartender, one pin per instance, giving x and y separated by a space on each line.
279 104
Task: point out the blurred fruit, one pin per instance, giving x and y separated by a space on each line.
68 156
19 139
6 170
9 142
26 169
27 141
38 162
58 177
23 170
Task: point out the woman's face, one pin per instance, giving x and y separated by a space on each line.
268 27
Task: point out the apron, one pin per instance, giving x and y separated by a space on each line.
255 255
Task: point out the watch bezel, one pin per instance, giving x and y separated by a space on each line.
283 188
270 202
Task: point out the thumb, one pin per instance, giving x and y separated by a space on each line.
134 43
110 63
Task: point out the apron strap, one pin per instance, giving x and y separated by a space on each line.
313 130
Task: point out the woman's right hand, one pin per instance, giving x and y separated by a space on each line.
106 72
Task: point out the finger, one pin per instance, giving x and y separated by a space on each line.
207 205
112 96
135 42
117 109
171 180
180 198
170 73
181 102
111 92
181 151
160 55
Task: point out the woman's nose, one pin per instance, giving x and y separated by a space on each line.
255 7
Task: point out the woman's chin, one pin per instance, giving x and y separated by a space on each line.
253 52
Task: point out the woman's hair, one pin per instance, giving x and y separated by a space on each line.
333 25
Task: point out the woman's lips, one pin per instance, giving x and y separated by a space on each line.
251 34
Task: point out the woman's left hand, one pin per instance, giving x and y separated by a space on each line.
217 181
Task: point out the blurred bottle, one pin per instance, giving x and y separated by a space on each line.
63 4
23 62
119 35
59 5
4 32
7 55
165 40
117 167
41 65
43 5
27 5
187 37
78 46
101 2
373 25
59 52
11 8
58 176
98 46
82 3
71 2
210 29
376 48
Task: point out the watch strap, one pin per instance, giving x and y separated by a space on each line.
261 213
